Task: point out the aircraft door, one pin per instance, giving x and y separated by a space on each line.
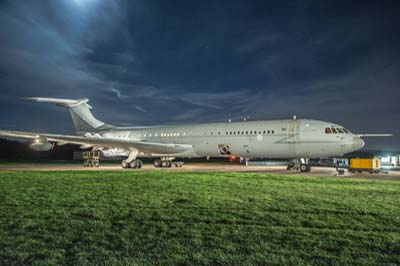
245 151
292 137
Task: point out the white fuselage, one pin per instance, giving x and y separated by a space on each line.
251 139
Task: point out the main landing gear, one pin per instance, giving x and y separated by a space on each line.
137 163
301 165
132 161
166 163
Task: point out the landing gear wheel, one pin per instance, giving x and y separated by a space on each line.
169 164
139 163
157 163
133 164
164 164
308 168
125 164
303 168
178 164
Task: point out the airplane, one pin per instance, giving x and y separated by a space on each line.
296 139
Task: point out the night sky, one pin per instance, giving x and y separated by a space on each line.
172 62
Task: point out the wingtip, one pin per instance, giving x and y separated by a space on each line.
34 99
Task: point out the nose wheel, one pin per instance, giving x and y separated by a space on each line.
305 168
301 165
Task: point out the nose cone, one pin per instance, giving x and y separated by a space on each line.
358 143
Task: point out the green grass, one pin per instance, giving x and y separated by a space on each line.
171 218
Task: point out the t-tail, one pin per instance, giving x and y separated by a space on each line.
82 117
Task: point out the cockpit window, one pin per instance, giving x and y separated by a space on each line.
336 130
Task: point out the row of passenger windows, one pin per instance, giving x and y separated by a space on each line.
336 130
251 132
162 135
264 132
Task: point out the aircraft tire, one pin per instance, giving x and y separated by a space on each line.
164 164
139 163
124 164
303 168
157 163
133 164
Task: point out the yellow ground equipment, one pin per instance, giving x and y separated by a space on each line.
372 165
91 158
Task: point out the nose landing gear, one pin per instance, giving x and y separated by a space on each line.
301 165
305 168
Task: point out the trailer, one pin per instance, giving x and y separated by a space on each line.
372 165
91 159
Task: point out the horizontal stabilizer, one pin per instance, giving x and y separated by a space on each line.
79 109
62 102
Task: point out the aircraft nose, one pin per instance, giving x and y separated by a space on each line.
358 143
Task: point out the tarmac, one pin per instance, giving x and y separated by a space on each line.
203 167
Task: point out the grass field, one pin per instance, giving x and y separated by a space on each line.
177 218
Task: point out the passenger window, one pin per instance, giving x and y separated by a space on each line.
264 132
272 132
247 132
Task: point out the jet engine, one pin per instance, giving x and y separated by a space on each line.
41 144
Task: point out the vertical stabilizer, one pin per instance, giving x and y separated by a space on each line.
82 117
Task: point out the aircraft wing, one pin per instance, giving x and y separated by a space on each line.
374 135
141 146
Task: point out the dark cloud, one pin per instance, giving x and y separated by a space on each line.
158 62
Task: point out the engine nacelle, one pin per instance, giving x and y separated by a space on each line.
41 145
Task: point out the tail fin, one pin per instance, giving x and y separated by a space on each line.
80 113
